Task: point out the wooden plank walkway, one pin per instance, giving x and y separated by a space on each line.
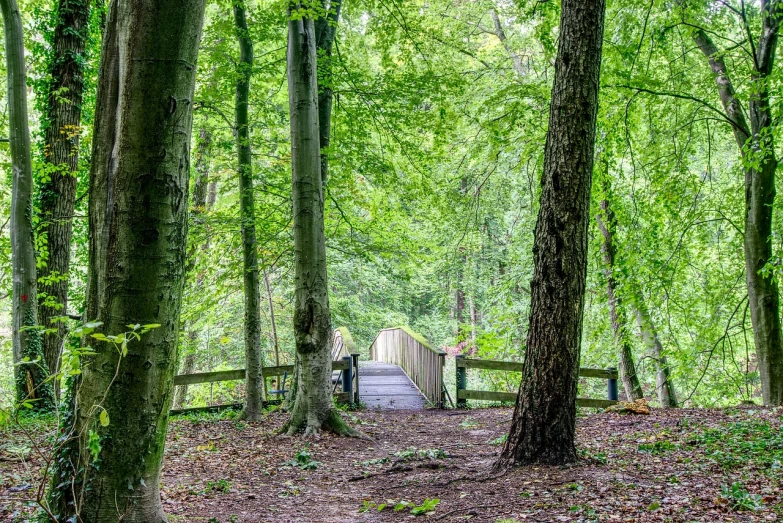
386 387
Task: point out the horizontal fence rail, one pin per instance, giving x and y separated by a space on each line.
421 361
347 364
463 393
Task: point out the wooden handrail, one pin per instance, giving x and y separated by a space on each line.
239 374
421 361
463 393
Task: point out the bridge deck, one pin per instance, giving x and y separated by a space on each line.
386 386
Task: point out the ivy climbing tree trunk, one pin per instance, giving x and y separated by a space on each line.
663 379
58 192
606 224
313 407
30 370
544 423
254 379
757 148
110 461
201 203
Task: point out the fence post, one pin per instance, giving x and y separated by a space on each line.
355 358
348 378
441 364
462 380
612 386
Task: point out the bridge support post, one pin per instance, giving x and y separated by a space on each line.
355 359
462 380
612 386
348 378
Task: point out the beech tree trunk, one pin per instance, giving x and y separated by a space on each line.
138 227
663 380
325 29
58 193
313 407
30 369
757 147
254 379
544 423
201 202
606 224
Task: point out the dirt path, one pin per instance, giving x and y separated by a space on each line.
669 466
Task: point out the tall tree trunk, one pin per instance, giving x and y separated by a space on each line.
138 228
58 193
756 145
606 224
30 369
201 202
254 379
325 30
273 323
663 380
544 423
313 407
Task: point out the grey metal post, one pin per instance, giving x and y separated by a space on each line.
612 386
462 380
355 358
348 378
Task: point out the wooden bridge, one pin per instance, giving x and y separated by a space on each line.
404 372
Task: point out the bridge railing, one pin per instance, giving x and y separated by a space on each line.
422 362
345 358
463 393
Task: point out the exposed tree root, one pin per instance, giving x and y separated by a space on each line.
312 425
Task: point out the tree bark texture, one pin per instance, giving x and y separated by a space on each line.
58 193
138 228
313 407
663 380
254 380
325 30
30 377
757 148
199 205
606 224
543 426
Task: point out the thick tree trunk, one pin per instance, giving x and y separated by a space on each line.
544 423
313 407
254 379
663 380
30 369
756 145
138 227
58 193
633 390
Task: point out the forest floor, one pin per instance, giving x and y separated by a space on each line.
682 465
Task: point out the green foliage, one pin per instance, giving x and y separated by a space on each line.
739 499
303 460
754 442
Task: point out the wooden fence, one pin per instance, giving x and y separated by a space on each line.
347 363
421 362
463 364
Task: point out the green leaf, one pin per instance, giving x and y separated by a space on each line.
104 418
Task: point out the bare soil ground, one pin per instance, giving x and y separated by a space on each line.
685 465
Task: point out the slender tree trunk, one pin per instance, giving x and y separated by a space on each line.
138 228
275 341
544 423
200 204
30 369
58 193
313 407
254 379
606 223
663 380
756 145
325 30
